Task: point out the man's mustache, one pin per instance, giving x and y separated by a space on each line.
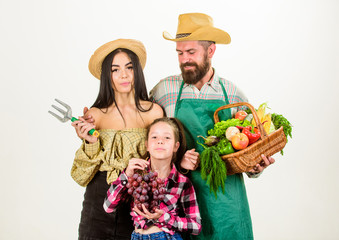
189 65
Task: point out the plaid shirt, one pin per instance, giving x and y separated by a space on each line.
165 93
180 196
111 154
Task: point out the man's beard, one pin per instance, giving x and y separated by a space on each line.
194 76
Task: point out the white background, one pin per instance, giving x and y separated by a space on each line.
283 52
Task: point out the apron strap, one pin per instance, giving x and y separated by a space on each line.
178 98
180 92
224 91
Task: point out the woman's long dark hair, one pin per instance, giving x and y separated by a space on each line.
106 96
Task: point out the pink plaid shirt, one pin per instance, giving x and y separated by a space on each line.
180 198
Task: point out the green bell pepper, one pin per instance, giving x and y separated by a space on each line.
225 147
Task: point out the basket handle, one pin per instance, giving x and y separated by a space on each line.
263 133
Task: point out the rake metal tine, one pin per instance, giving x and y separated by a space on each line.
64 104
68 113
58 117
63 112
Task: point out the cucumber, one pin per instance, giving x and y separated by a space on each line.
249 117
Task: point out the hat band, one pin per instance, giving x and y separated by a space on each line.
182 35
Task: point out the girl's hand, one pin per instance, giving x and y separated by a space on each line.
134 164
190 160
82 128
158 213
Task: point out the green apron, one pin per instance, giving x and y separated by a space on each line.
228 216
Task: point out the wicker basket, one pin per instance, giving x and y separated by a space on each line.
246 159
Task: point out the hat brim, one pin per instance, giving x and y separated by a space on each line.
95 62
203 34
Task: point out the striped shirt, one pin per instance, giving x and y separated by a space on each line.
166 92
180 197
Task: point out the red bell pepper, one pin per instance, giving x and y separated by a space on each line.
252 137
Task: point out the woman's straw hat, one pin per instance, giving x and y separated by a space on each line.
198 27
101 53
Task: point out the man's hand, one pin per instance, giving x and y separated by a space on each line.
263 164
190 160
146 214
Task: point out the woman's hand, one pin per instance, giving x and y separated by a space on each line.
263 164
134 164
158 213
190 160
88 117
82 128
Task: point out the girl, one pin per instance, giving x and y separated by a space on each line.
122 111
178 212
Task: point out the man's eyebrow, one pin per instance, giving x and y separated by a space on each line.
188 50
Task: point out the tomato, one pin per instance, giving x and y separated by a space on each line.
240 115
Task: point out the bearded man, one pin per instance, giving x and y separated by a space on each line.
192 97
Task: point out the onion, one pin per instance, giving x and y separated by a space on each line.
230 132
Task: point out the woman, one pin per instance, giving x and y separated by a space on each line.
122 111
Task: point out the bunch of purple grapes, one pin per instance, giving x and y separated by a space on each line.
146 189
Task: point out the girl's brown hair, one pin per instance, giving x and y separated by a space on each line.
179 136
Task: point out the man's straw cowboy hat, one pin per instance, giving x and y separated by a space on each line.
101 53
198 26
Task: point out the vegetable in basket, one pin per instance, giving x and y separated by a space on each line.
241 115
240 141
231 131
218 144
278 121
213 169
225 147
253 136
264 118
220 127
273 121
210 140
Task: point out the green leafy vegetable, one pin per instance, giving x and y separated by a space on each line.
220 127
278 121
213 169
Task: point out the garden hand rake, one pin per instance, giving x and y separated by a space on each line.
67 115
